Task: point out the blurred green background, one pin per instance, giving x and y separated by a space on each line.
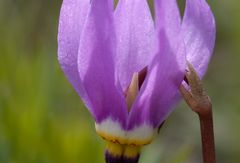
43 120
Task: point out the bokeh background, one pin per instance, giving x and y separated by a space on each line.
42 120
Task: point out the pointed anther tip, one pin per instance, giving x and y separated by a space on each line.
195 97
119 153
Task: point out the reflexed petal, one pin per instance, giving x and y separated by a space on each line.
199 34
72 18
135 37
166 72
168 19
96 66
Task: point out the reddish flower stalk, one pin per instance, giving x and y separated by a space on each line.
208 147
200 103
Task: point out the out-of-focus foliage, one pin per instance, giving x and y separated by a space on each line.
43 120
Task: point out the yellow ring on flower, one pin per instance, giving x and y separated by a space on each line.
124 141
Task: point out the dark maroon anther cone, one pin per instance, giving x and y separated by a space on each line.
119 159
112 159
131 160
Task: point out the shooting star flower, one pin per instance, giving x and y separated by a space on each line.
128 69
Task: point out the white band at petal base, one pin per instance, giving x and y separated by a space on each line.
112 131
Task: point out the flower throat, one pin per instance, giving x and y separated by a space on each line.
117 152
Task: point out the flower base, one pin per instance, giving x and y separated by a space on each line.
118 153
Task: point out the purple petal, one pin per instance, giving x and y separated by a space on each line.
166 71
96 66
135 38
199 34
72 18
